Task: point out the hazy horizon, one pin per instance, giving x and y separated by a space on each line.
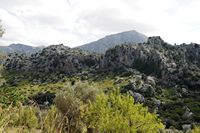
73 23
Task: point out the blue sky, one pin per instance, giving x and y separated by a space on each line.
76 22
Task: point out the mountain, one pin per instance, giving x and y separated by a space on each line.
19 48
164 77
101 45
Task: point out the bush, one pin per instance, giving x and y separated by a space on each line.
85 92
24 116
19 116
53 121
196 130
73 103
118 113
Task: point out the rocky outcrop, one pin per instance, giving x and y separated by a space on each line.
172 65
53 59
177 64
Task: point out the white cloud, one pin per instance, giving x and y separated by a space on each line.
75 22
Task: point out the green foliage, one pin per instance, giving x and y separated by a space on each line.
196 130
25 116
84 91
10 96
73 103
18 116
118 113
53 121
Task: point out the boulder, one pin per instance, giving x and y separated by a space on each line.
137 97
147 90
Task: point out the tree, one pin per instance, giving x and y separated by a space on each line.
118 113
2 31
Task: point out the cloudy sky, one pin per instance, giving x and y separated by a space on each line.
75 22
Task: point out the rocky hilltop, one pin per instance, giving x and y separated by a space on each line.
170 63
53 59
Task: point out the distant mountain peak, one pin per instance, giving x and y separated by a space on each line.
109 41
19 48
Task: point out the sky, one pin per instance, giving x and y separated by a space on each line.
76 22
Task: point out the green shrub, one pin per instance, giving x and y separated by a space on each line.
196 130
85 92
118 113
52 121
71 110
25 116
19 116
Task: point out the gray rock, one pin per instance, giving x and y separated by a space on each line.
150 80
186 127
188 114
147 90
53 59
137 97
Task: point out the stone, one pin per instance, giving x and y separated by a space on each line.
137 97
186 127
147 90
150 80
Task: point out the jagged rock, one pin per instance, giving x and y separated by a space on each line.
184 91
155 40
150 80
188 114
147 90
53 59
186 127
130 86
172 65
137 97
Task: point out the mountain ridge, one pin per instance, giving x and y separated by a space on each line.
19 48
109 41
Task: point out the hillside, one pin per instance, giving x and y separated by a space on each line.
163 77
101 45
19 48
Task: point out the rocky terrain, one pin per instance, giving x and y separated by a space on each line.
172 64
110 41
164 77
53 59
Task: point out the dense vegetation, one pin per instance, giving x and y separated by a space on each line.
81 107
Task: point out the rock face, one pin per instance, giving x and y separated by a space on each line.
101 45
158 58
53 59
172 65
